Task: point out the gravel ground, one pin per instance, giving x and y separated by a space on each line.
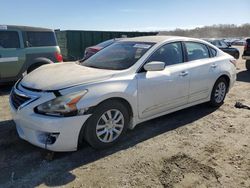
195 147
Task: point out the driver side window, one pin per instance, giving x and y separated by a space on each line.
170 54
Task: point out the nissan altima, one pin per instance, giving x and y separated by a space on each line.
59 106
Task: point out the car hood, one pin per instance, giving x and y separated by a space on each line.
63 75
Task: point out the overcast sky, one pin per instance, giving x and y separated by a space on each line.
129 15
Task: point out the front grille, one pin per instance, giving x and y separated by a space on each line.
18 100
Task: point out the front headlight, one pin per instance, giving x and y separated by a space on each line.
61 106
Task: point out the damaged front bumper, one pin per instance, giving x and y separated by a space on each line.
51 133
48 132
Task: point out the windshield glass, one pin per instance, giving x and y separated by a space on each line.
118 56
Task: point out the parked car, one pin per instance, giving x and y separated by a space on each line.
23 49
221 44
240 42
229 41
126 83
246 53
94 49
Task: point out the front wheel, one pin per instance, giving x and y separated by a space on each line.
107 124
248 65
219 92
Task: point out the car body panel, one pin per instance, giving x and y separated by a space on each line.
202 72
15 61
170 90
78 75
149 94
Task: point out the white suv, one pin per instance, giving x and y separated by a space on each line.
58 106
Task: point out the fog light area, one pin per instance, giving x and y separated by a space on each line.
47 138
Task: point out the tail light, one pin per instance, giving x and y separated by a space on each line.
233 61
59 57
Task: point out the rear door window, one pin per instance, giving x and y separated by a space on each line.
9 39
36 39
196 51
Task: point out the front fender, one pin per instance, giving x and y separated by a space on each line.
99 92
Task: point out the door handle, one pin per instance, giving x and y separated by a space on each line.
184 73
213 65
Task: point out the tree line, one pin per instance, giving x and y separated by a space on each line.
214 31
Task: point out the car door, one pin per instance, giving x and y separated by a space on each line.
202 70
11 53
160 91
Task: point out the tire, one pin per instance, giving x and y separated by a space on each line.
236 55
98 133
219 92
248 65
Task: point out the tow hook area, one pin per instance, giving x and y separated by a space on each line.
47 138
51 139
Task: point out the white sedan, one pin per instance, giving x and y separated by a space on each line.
58 106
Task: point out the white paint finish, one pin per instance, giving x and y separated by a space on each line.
150 94
202 75
30 128
162 90
8 59
61 75
154 66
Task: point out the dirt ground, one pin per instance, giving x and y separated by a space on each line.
196 147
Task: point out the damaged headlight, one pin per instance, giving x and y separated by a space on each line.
61 106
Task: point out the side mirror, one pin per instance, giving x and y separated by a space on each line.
154 66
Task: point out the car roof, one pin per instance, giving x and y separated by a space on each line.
213 39
156 39
27 28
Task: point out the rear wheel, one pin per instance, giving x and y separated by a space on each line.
219 92
248 65
236 55
107 124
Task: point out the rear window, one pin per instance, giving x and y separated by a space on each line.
36 39
9 39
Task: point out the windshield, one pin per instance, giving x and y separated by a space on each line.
118 56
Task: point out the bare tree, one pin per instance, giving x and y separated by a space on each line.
214 31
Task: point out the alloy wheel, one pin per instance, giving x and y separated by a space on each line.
220 92
110 126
